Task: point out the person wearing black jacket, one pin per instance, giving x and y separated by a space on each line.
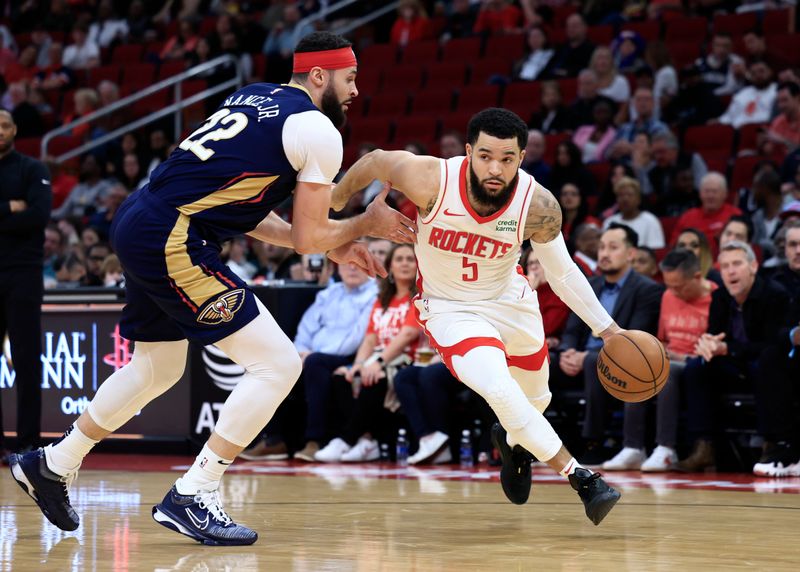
25 197
746 345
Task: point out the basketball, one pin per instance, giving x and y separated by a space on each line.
633 366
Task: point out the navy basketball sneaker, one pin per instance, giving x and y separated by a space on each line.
515 475
202 518
597 496
49 490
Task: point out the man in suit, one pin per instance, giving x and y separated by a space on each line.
745 348
633 301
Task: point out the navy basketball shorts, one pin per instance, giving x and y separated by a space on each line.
177 286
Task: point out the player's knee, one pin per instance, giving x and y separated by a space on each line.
541 402
292 367
509 403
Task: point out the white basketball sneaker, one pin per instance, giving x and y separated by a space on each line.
365 450
629 459
660 460
332 452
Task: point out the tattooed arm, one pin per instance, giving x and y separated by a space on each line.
543 228
416 176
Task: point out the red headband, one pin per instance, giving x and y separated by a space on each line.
326 59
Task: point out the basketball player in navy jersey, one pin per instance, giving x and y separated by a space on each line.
481 315
265 142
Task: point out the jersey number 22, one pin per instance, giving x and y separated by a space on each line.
231 125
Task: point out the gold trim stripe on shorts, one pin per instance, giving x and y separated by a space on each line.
191 279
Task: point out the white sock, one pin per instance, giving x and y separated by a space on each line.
65 456
204 474
570 467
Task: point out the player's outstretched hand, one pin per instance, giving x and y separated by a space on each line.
385 222
358 254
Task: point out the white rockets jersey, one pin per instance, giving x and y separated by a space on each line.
462 255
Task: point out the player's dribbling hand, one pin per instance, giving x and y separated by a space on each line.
358 254
388 223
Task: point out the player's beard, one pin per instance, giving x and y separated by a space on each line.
6 147
494 200
332 107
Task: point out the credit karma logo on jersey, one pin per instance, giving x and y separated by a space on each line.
223 372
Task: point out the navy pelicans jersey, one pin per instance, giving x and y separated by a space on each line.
220 182
462 255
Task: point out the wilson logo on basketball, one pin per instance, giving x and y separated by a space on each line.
223 308
604 370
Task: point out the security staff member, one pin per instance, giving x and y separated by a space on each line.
25 197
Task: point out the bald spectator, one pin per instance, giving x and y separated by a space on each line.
534 163
713 212
644 103
752 104
575 54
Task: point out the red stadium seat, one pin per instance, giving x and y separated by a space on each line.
388 104
484 69
62 144
686 29
748 136
735 24
477 97
683 53
350 155
551 142
600 173
600 35
649 30
401 79
169 69
744 169
510 47
259 67
138 73
420 53
358 107
30 146
528 93
368 80
561 13
569 89
456 121
462 50
416 128
377 55
776 21
376 131
784 48
433 101
446 74
709 137
127 54
668 225
102 73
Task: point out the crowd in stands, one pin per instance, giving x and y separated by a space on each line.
668 130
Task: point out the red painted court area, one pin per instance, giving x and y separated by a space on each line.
341 472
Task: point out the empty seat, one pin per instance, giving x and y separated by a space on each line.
477 97
420 53
416 128
388 103
433 101
378 55
372 130
775 21
171 68
446 74
735 24
510 47
748 136
30 146
138 74
401 79
600 35
482 70
700 138
686 29
683 53
104 73
127 54
462 50
649 30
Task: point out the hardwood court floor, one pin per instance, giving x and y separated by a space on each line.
367 517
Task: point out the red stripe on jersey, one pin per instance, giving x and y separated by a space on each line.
241 177
522 216
532 362
462 187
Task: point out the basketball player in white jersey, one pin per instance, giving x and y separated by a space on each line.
477 309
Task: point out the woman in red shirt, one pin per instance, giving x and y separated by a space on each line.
411 24
391 340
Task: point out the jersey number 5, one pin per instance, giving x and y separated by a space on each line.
232 125
472 276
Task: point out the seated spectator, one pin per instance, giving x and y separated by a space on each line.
610 82
713 212
62 182
721 69
680 196
451 144
41 41
95 256
785 128
498 17
788 275
683 319
629 213
108 28
534 163
752 104
131 176
274 262
71 273
568 168
22 69
694 103
83 200
747 336
426 393
633 301
645 123
586 241
552 116
83 53
607 202
313 269
391 340
738 228
767 218
411 24
284 35
181 44
138 22
696 241
575 210
234 254
581 112
460 21
26 116
109 203
111 272
538 55
667 161
645 263
665 78
554 311
53 251
628 51
593 140
327 338
86 101
575 54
